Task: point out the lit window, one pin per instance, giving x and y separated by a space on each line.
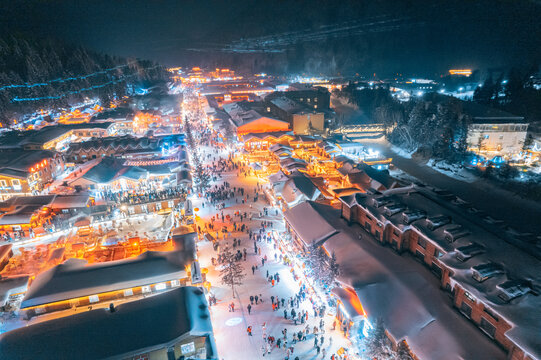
93 299
145 289
16 183
175 283
3 183
128 292
161 286
469 296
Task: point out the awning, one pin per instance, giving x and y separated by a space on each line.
349 299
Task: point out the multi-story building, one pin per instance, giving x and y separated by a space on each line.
491 275
122 146
55 137
494 131
27 172
303 119
314 97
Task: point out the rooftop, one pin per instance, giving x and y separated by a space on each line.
75 278
405 296
308 223
145 325
469 243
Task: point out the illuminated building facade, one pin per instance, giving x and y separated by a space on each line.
26 172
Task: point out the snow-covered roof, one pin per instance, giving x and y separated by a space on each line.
470 244
70 201
74 278
298 187
308 224
136 327
278 177
405 296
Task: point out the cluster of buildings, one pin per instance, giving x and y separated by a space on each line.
443 277
96 241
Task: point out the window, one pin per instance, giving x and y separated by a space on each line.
308 99
368 226
491 314
396 232
171 204
315 99
465 309
419 255
501 137
486 137
487 327
175 283
128 292
468 296
3 183
315 106
378 235
421 242
145 289
437 253
436 270
16 183
158 206
93 299
160 286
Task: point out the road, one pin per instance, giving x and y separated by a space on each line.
519 213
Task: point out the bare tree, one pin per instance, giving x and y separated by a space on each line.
232 272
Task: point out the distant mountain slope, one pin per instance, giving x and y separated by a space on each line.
38 74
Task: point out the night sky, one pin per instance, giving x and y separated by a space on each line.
424 37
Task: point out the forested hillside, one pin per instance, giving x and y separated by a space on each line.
37 74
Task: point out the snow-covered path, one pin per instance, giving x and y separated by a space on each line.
230 327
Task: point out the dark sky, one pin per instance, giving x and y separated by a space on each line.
421 37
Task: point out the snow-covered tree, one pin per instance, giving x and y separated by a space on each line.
232 273
378 346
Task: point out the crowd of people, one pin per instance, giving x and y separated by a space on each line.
228 222
139 196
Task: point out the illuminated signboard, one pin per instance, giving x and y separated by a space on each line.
187 348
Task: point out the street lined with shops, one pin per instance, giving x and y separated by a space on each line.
258 327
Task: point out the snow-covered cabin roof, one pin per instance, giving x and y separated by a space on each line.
134 328
308 224
74 278
299 187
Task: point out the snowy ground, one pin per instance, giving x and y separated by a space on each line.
230 327
452 170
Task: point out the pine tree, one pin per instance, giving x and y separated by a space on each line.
232 273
